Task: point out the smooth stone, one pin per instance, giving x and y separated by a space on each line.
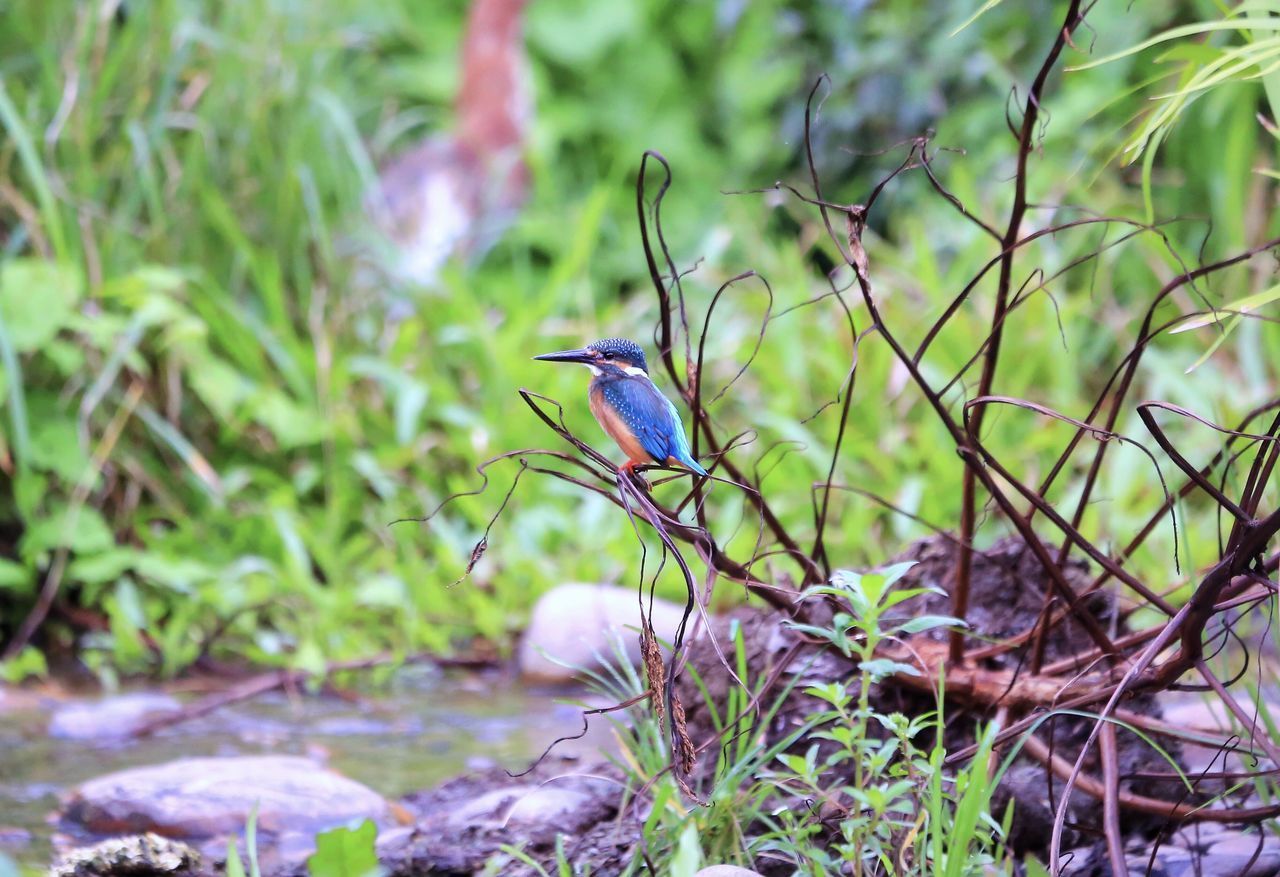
726 871
20 700
523 807
578 625
1246 855
1229 855
1198 712
207 797
14 836
350 726
109 718
548 804
488 809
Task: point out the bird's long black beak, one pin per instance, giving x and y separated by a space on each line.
579 355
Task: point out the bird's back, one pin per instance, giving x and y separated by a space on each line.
638 417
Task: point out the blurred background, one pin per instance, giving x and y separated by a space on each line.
271 274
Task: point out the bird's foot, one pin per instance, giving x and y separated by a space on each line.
628 469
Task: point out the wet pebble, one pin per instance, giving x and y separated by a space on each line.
19 700
350 726
1248 855
549 805
480 762
13 836
109 718
1227 853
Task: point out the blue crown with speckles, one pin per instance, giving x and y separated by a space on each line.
621 348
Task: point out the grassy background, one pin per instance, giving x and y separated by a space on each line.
215 401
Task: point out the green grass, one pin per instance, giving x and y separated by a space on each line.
211 418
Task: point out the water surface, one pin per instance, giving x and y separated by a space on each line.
422 728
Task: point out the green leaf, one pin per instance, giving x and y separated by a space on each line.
983 9
16 398
128 618
1245 305
81 530
893 573
578 33
15 576
28 663
794 763
310 658
1034 868
292 424
180 574
410 394
882 667
1187 30
251 841
29 488
383 590
929 622
55 447
218 385
37 300
234 867
67 357
106 566
29 158
346 852
688 856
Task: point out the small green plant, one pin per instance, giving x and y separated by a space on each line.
563 867
867 796
235 865
346 852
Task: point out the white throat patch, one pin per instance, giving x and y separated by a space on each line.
635 371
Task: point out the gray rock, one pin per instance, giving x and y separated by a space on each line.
549 805
207 797
1228 854
110 718
463 823
1202 713
526 807
1246 855
19 700
490 808
726 871
14 836
578 625
146 854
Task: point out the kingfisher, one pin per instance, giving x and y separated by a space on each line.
629 407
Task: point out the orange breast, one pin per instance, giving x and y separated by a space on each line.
616 429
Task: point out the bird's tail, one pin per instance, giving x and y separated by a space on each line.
686 460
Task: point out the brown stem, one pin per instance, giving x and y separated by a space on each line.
1030 116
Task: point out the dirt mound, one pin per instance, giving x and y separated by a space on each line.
1007 596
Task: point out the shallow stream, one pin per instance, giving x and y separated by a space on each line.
424 727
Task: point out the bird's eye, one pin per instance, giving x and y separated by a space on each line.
607 355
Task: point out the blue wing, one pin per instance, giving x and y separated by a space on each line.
652 419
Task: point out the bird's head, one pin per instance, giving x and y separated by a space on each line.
609 355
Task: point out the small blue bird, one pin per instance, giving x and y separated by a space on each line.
629 407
